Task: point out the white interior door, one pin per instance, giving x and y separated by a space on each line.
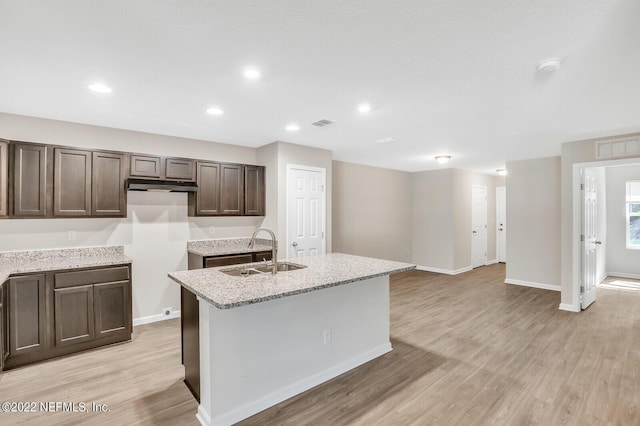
479 226
501 221
590 238
305 211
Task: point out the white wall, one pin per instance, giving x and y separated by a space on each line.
156 229
621 261
533 214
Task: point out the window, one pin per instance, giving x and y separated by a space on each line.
633 214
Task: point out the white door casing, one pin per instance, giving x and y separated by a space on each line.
590 240
478 226
305 210
501 221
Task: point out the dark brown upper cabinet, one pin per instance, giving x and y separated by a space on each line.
182 169
206 202
254 186
30 180
108 194
169 168
71 182
145 166
4 178
231 189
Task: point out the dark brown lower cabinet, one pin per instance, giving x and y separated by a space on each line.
58 313
190 313
27 315
74 315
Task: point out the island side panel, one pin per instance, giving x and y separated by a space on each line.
259 355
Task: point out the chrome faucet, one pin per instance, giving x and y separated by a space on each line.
274 247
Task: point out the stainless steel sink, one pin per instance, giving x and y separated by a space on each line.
262 269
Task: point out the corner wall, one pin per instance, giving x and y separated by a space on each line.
533 218
372 211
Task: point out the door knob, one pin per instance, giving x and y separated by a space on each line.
294 244
598 242
474 232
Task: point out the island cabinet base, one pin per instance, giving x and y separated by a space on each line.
255 356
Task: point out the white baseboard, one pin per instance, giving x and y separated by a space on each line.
270 400
532 284
603 277
443 271
623 275
491 262
155 318
568 307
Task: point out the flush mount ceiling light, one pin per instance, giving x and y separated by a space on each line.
385 141
214 111
100 88
252 73
442 159
549 65
364 108
292 127
501 172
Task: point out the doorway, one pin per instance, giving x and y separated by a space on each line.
478 226
501 221
305 222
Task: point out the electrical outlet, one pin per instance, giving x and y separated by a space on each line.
167 311
326 336
71 235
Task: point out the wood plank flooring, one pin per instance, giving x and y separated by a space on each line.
468 350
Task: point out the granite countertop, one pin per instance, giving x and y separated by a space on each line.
329 270
224 246
22 262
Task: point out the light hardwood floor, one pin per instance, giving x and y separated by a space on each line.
468 349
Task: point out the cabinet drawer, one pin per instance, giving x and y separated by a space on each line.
71 279
212 262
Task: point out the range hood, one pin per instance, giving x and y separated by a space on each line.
160 185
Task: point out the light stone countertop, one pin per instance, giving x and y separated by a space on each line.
224 291
22 262
225 246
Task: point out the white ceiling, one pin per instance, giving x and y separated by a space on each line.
444 77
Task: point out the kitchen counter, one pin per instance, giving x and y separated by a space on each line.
264 338
226 246
22 262
224 291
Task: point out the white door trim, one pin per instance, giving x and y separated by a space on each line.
323 174
498 252
486 216
576 248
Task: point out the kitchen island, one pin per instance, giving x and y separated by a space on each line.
265 338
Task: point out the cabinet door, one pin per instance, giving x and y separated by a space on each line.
4 178
254 191
212 262
145 166
182 169
71 182
3 325
112 303
108 195
29 180
231 189
208 197
27 314
74 315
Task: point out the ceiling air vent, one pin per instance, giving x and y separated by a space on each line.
322 123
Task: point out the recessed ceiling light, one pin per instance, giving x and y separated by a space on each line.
442 159
252 73
292 127
214 111
364 108
100 88
549 65
502 172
